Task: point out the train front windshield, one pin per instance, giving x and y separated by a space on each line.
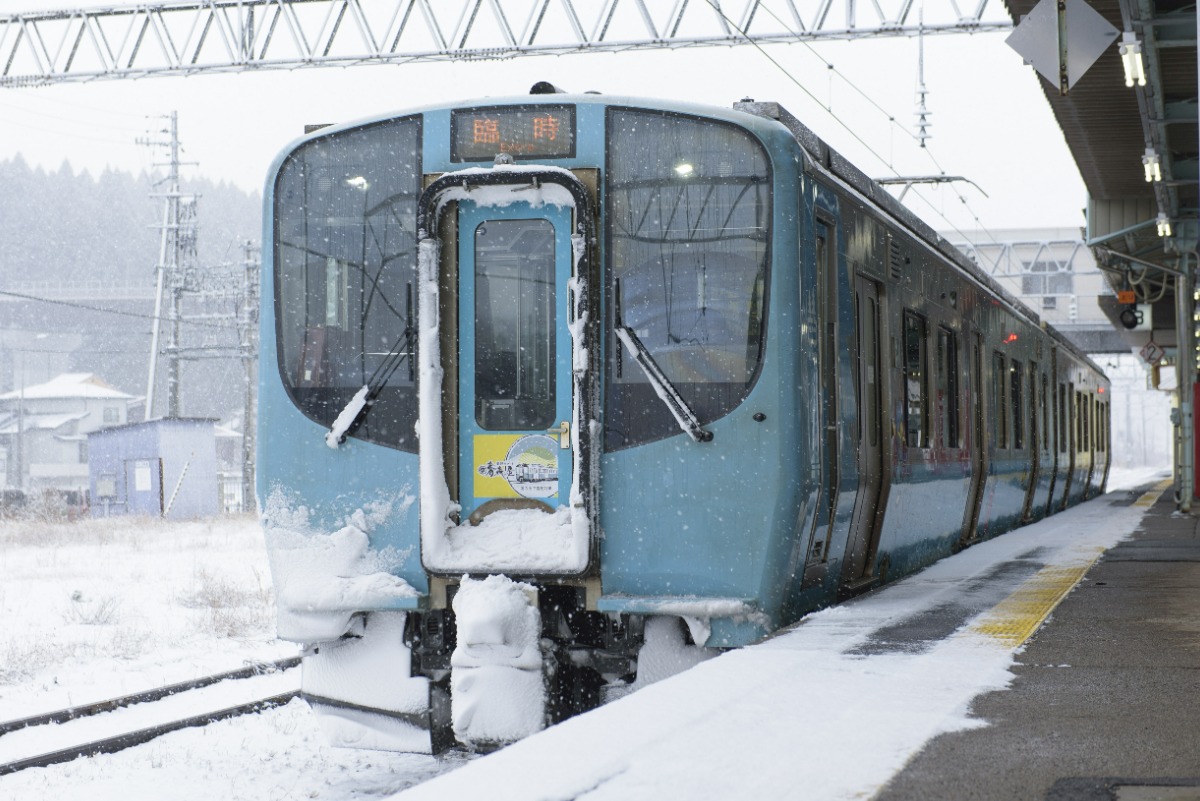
688 214
345 261
683 246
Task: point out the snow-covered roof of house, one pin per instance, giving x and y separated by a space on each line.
227 432
69 385
37 422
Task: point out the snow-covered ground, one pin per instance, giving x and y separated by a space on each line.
95 609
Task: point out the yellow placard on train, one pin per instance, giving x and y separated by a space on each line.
515 466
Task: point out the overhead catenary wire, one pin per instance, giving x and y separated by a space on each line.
828 109
138 315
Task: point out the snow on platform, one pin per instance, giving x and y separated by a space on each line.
829 709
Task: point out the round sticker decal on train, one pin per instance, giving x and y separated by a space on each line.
514 465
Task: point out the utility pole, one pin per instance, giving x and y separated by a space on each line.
248 349
176 260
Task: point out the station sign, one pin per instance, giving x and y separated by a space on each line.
1152 353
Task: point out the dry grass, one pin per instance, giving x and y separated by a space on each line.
228 609
92 611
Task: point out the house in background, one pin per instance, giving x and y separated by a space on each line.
160 468
229 469
44 432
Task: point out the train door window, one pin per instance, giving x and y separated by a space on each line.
688 211
1091 408
947 388
1045 413
1032 409
1091 422
1016 380
916 406
514 324
1107 424
344 225
1079 422
824 231
1087 423
869 352
999 400
1063 426
1104 419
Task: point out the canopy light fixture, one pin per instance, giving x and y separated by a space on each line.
1164 225
1131 59
1152 165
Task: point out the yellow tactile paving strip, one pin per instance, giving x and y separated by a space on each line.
1147 500
1014 620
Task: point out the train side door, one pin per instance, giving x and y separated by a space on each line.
978 441
1035 454
1050 418
514 371
864 530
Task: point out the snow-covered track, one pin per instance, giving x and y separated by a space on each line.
75 712
128 733
111 745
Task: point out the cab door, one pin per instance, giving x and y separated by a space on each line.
514 368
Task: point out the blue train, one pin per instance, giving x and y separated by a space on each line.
562 381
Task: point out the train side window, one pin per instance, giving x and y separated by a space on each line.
1016 381
999 400
916 358
688 223
947 387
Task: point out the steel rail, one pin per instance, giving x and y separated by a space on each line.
87 710
120 742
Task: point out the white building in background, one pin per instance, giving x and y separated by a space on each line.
1051 269
1055 274
44 428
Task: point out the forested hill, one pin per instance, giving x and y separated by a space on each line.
60 227
65 226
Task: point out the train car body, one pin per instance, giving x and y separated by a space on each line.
558 380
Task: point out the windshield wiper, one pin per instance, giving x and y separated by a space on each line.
354 412
663 387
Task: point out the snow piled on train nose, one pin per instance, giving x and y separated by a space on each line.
497 691
322 579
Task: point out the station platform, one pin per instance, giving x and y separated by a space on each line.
1105 703
1060 661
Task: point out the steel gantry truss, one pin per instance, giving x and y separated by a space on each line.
187 37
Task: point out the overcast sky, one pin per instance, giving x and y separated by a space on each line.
990 120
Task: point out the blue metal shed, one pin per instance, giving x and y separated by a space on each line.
161 468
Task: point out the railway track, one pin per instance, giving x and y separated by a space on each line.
128 738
